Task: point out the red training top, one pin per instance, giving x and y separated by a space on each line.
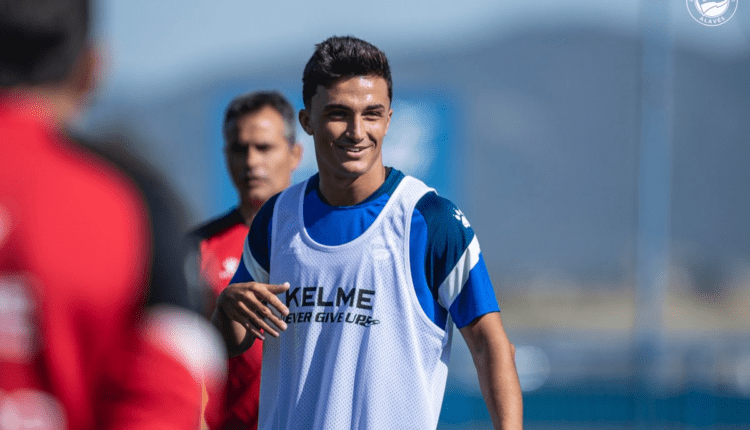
221 242
74 265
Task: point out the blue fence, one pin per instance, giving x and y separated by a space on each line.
596 405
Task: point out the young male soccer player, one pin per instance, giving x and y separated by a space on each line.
261 153
86 246
356 276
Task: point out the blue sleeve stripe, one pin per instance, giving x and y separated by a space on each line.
252 267
241 275
477 298
457 277
448 237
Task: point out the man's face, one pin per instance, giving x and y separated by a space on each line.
261 160
348 122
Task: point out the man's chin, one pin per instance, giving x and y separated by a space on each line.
353 170
257 199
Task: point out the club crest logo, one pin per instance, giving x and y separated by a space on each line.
712 13
229 266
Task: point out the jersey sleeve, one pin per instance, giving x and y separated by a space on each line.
256 255
454 266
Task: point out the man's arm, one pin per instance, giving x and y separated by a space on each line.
493 356
244 309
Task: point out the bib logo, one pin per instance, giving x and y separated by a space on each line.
712 13
311 297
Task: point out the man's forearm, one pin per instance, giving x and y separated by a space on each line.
501 390
236 337
498 378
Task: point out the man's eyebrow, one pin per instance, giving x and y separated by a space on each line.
375 107
336 106
344 107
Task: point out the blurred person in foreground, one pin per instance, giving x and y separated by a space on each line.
261 154
355 277
95 330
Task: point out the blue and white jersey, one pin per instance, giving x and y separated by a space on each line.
375 289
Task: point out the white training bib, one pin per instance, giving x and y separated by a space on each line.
359 351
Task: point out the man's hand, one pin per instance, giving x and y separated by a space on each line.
249 308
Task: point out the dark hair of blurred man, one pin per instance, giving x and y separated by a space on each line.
261 153
95 333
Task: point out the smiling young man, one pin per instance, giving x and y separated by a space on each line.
356 276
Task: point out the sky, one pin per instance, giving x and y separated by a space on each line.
156 46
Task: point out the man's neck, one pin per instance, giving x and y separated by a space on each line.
351 191
55 104
248 212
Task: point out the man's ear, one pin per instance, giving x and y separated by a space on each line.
70 96
304 121
297 152
85 74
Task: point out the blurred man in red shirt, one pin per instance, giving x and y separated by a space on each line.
261 154
95 333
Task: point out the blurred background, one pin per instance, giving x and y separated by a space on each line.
600 149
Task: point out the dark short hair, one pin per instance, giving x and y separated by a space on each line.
40 40
343 57
253 102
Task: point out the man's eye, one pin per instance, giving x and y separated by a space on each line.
336 114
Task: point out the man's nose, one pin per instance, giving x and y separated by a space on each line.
355 130
253 157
